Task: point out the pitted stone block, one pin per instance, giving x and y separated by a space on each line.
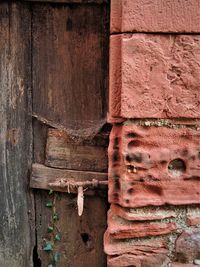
154 166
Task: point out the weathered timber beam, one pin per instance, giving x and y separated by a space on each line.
63 153
63 180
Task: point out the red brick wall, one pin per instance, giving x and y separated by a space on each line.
154 150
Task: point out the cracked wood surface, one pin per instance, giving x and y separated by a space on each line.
15 136
70 66
62 152
50 178
70 55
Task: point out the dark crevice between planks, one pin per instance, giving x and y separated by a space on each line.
39 146
36 260
39 130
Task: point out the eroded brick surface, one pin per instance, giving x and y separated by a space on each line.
154 76
142 214
154 166
119 228
133 252
155 16
137 247
176 264
154 172
127 260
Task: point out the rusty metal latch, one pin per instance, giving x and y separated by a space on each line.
70 181
79 187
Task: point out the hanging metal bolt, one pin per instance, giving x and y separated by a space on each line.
77 187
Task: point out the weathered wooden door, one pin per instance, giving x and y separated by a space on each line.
54 70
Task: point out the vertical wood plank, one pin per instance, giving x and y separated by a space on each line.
81 237
70 66
70 69
15 136
71 1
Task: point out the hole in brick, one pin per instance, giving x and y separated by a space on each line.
130 191
176 167
131 135
134 143
136 157
116 182
115 156
128 158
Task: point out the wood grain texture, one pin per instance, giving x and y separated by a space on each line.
70 66
82 237
15 136
70 55
61 152
39 141
42 176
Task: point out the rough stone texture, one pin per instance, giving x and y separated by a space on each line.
145 169
176 264
154 76
193 220
154 165
188 246
155 16
119 228
129 260
143 214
